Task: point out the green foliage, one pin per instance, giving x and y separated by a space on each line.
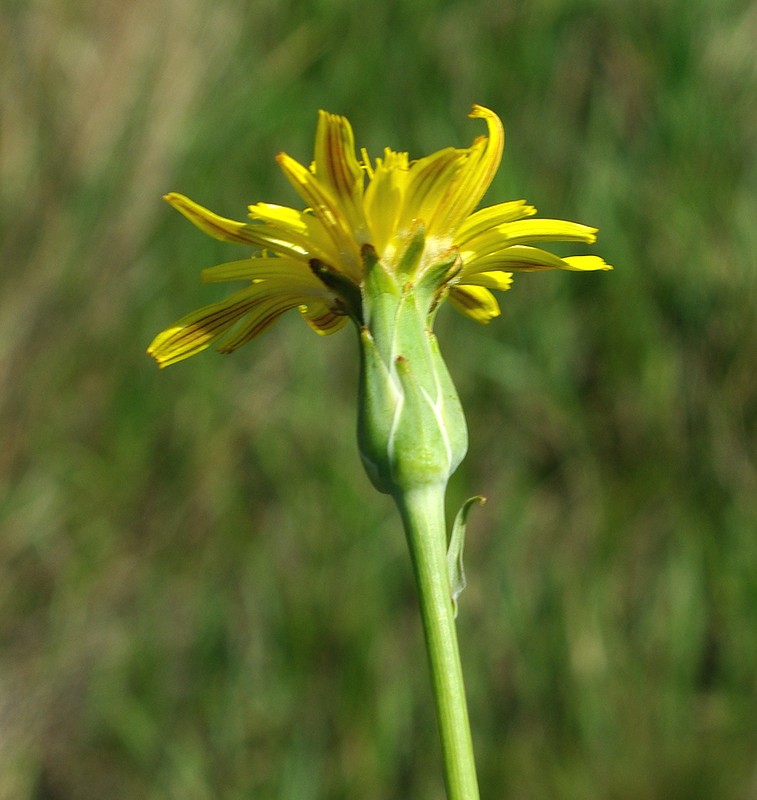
201 596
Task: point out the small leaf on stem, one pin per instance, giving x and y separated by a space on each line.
455 550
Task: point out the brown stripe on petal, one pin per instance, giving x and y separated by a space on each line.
318 195
214 225
258 324
196 331
465 298
435 175
480 306
484 157
337 166
322 318
215 323
341 170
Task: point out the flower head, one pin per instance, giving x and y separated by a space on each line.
417 217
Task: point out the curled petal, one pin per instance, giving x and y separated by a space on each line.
475 302
476 174
491 157
227 230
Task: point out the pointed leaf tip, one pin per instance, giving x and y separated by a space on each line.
455 568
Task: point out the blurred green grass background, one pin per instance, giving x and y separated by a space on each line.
201 597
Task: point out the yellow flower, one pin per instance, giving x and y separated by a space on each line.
313 260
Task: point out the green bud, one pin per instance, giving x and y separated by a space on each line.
411 427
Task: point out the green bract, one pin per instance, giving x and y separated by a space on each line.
411 427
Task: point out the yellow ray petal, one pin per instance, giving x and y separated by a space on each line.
585 263
491 217
344 246
501 281
523 258
429 184
490 159
322 318
285 272
475 302
384 198
227 230
337 168
470 185
197 330
525 231
298 234
258 319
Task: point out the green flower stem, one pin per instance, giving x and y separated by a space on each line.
422 511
